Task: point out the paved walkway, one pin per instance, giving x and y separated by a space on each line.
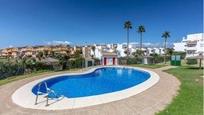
148 102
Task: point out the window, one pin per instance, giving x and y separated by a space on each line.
201 45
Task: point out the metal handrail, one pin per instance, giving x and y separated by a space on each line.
40 93
48 91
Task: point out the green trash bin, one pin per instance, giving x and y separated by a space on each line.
173 59
176 60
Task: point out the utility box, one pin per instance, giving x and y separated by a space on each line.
176 60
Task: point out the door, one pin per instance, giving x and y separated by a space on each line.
105 60
113 60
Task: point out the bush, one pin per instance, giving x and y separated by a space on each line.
191 61
21 67
159 58
97 61
10 69
42 66
122 61
135 60
76 63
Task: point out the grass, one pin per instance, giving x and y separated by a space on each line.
19 77
152 66
3 60
189 100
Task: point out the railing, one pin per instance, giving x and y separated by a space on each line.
46 93
39 92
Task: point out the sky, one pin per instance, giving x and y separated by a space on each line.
79 22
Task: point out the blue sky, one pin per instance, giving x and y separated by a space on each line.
31 22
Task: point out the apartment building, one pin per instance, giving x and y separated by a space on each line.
192 44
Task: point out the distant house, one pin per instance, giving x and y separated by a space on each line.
61 49
34 50
27 51
86 52
9 52
46 49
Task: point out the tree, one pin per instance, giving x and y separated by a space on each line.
165 35
138 53
52 54
127 26
140 30
169 51
45 52
77 54
39 55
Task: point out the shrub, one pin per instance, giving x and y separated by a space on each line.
191 61
134 60
21 67
76 63
159 58
10 69
97 61
122 61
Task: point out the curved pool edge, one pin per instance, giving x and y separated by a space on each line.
26 99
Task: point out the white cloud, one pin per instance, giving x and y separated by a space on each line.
10 46
58 42
145 44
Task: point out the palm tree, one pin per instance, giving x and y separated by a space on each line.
165 35
140 30
127 26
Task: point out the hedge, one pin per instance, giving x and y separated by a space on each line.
191 61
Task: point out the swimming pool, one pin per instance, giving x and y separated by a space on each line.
97 85
101 81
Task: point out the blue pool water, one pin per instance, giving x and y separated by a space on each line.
102 80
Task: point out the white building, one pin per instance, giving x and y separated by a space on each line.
119 49
180 46
192 44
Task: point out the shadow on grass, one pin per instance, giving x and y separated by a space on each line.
193 67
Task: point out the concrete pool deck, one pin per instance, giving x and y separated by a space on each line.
149 101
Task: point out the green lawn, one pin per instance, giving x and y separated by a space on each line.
18 77
189 101
3 59
152 66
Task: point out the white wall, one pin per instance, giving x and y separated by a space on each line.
179 46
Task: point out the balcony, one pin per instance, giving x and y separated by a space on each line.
191 55
191 48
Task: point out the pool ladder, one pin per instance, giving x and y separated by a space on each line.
48 91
